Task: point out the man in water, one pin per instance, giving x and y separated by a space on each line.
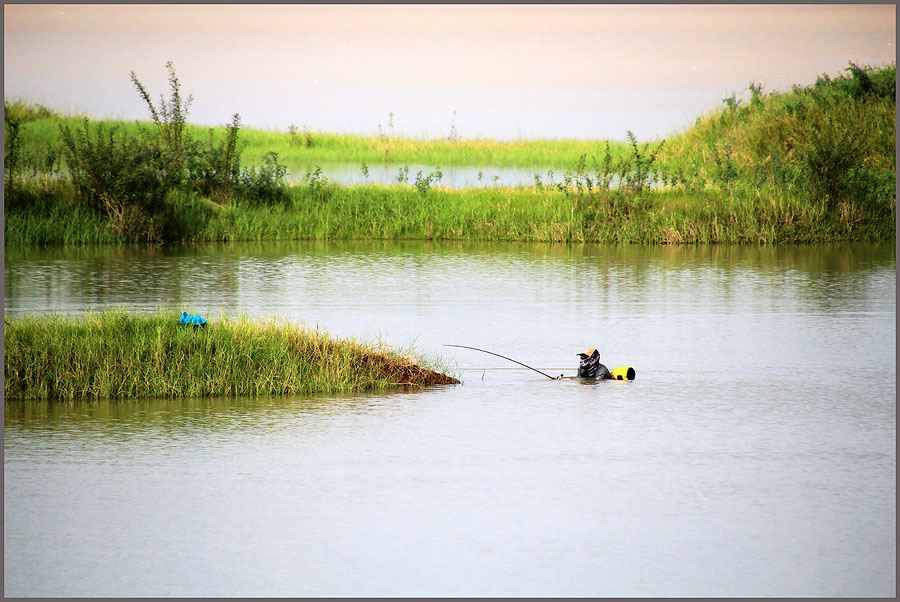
590 366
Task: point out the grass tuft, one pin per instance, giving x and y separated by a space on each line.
118 354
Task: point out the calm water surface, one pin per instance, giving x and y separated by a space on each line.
451 176
754 455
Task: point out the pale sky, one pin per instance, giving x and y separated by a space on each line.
508 71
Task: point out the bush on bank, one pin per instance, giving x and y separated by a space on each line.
812 165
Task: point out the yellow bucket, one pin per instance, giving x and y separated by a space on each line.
623 373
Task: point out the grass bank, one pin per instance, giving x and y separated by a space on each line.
541 214
833 141
323 147
118 354
42 146
816 164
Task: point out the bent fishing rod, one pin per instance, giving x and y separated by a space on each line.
506 358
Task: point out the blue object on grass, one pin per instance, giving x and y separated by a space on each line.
195 320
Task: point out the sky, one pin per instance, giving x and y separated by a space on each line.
489 71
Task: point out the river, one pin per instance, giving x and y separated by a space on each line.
753 455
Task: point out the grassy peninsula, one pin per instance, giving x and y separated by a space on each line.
813 164
117 354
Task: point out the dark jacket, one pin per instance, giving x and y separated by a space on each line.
590 366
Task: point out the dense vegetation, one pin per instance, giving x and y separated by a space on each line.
118 354
814 164
831 144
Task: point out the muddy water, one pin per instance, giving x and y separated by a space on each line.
754 455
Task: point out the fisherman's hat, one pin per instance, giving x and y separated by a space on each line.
587 352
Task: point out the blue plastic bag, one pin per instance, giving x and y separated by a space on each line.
195 320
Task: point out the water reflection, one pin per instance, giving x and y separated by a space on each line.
146 419
39 414
238 277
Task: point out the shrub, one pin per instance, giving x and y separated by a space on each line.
423 183
214 170
15 115
171 117
831 158
121 176
211 170
266 183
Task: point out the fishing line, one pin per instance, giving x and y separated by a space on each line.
504 357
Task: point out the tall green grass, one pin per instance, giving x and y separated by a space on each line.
812 165
535 214
46 212
127 173
42 144
117 354
321 147
831 143
542 214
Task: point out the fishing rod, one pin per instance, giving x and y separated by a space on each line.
504 357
